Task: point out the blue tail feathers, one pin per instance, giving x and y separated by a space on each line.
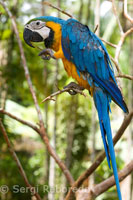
114 92
102 105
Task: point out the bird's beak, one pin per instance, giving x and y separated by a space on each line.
31 36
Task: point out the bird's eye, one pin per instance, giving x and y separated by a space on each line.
37 23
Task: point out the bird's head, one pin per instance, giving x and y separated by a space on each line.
38 30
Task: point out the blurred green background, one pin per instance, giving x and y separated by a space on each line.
71 122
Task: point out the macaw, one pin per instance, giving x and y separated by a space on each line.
86 59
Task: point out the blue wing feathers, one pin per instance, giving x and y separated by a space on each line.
99 53
90 56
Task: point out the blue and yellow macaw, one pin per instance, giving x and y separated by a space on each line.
86 59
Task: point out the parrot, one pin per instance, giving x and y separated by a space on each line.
85 59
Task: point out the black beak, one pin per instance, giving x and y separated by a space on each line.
31 36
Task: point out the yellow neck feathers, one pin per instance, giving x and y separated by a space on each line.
57 36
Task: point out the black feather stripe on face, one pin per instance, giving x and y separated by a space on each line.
49 41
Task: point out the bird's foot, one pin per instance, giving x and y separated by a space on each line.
46 54
74 88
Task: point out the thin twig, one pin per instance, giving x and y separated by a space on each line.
109 43
125 76
99 159
120 75
27 75
105 185
21 170
20 120
96 28
57 8
117 18
116 65
62 91
121 41
126 13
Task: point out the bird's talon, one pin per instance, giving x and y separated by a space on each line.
73 86
45 57
46 54
72 92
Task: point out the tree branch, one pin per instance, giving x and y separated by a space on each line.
121 41
21 170
120 75
49 147
126 13
108 183
90 193
42 131
125 76
50 97
95 29
123 36
20 120
108 43
116 65
57 8
23 59
117 18
99 159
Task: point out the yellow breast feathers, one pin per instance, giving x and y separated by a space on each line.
69 66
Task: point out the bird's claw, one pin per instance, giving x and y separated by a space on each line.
46 54
73 86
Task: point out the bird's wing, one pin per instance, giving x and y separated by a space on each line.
87 52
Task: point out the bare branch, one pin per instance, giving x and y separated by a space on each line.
21 170
105 185
20 120
46 141
120 75
117 18
119 46
96 28
42 131
99 159
126 13
116 64
109 43
125 76
62 91
27 74
57 8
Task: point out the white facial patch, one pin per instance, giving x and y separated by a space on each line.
44 32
